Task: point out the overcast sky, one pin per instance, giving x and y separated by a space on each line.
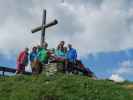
92 26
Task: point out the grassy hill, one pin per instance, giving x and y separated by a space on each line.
62 87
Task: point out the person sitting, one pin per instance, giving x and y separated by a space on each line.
22 61
59 53
84 70
62 43
60 49
33 58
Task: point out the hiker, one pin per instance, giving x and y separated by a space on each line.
33 59
71 54
22 61
43 55
71 58
84 70
59 52
62 43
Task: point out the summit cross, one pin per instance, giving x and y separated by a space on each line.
43 27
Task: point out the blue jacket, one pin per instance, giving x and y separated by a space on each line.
33 56
72 55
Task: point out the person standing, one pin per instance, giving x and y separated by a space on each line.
33 60
43 54
22 61
71 54
71 58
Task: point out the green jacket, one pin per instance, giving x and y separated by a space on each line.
42 55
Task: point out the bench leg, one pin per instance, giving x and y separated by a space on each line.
3 73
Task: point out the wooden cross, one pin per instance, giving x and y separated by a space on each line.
43 27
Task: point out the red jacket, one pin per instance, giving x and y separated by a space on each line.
23 58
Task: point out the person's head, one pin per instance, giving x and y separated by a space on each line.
26 49
69 46
58 47
62 43
34 49
65 49
45 45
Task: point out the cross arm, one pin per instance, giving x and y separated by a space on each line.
45 26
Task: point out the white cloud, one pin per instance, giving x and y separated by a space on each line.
117 78
124 71
126 68
91 25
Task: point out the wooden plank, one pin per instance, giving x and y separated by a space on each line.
42 28
11 70
45 26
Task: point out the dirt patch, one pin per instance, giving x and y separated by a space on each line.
130 86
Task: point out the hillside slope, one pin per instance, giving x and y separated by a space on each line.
60 87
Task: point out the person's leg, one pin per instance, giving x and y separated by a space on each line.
20 69
37 67
64 65
34 71
40 68
32 67
23 69
17 71
69 67
73 67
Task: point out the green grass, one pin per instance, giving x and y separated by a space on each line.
61 87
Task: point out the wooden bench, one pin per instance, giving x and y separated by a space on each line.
10 70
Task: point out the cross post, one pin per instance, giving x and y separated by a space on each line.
43 27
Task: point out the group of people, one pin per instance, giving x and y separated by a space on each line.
41 55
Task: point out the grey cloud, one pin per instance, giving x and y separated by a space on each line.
91 25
